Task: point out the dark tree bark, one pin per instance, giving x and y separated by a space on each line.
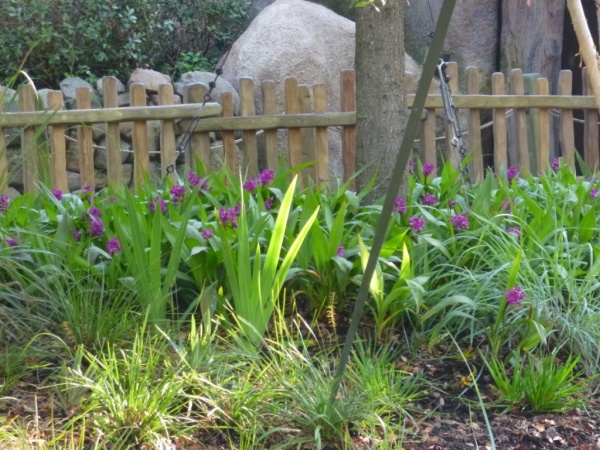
531 37
380 92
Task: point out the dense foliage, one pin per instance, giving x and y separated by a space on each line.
52 39
212 290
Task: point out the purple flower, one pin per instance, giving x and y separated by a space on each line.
512 173
340 251
207 233
428 169
229 216
76 234
112 199
158 201
429 200
113 246
94 212
555 164
177 193
594 193
195 180
269 203
416 223
12 242
400 205
57 193
266 176
87 189
251 185
514 296
4 201
514 230
96 227
451 203
506 205
459 221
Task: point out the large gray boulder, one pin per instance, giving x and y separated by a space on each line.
301 39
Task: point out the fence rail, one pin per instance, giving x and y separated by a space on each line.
522 126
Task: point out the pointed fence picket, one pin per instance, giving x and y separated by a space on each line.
521 119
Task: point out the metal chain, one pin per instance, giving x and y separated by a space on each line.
452 118
188 133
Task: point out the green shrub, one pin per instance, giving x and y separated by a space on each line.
55 38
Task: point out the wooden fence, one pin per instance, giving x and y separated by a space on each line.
306 120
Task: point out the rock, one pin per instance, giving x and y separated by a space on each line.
10 99
151 79
472 38
155 102
12 193
100 86
69 87
126 174
153 138
301 39
101 154
222 85
43 97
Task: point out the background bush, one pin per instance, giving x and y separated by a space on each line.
87 38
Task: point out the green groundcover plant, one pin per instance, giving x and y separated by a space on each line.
217 268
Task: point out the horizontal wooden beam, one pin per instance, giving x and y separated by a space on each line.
213 122
271 122
512 101
89 116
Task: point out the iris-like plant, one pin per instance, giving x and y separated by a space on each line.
255 284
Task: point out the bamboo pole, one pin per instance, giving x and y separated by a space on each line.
587 49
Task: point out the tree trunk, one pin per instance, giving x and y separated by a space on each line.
531 37
380 92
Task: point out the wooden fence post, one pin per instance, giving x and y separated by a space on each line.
567 134
543 150
499 120
533 121
321 144
58 145
270 109
29 149
86 144
113 134
247 109
476 174
590 127
229 149
200 141
348 98
292 106
141 158
168 145
522 151
307 136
